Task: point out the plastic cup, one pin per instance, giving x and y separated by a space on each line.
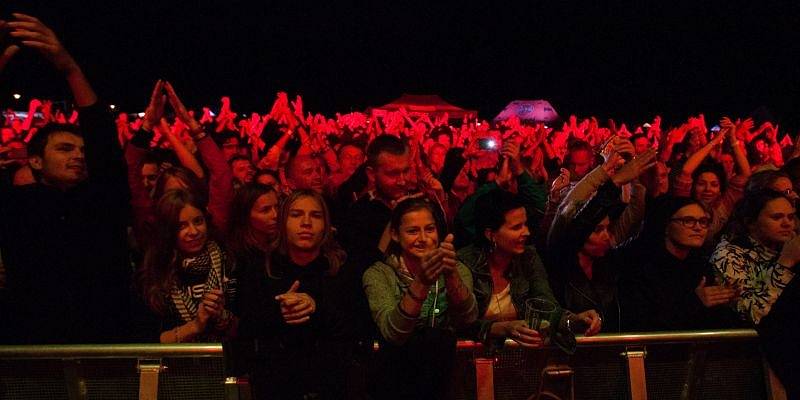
539 314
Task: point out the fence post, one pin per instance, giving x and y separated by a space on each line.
484 378
636 372
76 386
148 378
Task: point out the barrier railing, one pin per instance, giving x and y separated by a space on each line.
683 365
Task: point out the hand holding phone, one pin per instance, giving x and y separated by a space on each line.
489 144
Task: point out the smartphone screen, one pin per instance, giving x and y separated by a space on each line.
487 144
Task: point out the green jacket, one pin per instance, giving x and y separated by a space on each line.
385 286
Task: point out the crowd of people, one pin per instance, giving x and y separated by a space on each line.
298 239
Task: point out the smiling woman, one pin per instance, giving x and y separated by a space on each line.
417 296
184 278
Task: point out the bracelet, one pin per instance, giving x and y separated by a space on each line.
420 299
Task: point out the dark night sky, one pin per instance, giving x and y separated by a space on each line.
627 60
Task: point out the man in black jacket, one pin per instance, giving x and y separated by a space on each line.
63 238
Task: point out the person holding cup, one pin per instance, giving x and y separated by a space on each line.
511 285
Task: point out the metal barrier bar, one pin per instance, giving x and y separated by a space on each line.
642 338
633 343
154 350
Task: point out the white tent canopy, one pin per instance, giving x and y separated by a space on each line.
528 111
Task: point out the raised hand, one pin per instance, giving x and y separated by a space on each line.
7 48
561 181
34 34
34 105
615 152
180 110
155 110
633 168
297 106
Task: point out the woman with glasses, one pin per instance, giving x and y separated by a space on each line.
665 283
759 255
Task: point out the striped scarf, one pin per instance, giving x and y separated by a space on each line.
210 262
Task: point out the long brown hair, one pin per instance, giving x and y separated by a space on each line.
157 272
329 248
240 235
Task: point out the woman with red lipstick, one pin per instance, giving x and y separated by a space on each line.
666 283
184 277
759 255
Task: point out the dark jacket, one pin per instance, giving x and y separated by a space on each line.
657 291
65 252
361 230
289 361
572 288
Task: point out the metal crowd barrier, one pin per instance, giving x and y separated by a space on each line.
662 365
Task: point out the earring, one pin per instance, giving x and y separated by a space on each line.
493 246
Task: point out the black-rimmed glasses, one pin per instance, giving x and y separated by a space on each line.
691 222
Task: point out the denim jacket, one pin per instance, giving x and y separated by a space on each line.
528 279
